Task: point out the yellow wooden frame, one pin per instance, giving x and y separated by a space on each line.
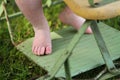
83 9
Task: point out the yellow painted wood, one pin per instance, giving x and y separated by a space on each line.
86 54
82 8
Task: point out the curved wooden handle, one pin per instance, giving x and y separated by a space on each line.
83 9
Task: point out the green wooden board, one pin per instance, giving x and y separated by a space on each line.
86 54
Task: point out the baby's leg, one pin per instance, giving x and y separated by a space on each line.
68 17
33 11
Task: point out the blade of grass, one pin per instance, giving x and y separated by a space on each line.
1 8
8 23
11 16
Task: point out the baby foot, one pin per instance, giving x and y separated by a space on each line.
34 13
42 42
68 17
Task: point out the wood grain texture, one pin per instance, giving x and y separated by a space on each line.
86 54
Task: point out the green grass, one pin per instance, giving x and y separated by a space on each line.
13 64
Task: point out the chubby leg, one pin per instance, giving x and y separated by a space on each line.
68 17
34 13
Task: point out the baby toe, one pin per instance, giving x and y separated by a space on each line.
89 30
48 50
39 50
42 51
34 50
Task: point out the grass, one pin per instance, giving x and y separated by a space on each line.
13 64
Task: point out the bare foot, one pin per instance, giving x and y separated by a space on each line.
34 13
68 17
42 42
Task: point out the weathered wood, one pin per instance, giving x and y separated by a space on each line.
68 50
102 46
108 75
86 54
67 70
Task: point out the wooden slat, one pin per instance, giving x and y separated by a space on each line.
102 47
68 50
86 55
